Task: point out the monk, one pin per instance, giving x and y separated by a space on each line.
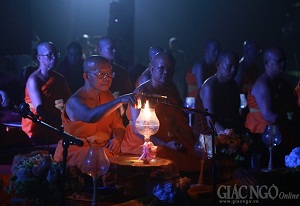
174 138
91 113
220 96
273 101
45 92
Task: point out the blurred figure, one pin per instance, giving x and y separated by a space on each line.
220 96
273 101
10 97
87 48
174 138
90 113
71 67
46 91
180 67
121 84
204 68
248 70
146 75
28 69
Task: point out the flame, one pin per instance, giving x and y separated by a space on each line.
147 110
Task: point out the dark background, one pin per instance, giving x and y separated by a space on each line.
144 23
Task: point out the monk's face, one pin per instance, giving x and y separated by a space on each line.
228 67
162 70
107 49
100 76
47 55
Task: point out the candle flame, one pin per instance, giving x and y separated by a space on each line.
147 110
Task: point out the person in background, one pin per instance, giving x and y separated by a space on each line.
121 84
91 113
85 43
204 68
220 96
174 138
248 70
273 101
10 97
71 67
46 91
146 75
180 67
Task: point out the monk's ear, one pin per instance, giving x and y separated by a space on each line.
85 76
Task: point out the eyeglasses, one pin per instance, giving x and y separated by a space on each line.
103 75
50 55
162 70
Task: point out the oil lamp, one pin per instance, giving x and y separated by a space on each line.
147 124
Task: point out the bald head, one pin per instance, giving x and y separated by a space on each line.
153 51
250 44
104 40
211 51
212 43
228 54
273 52
44 47
93 62
163 56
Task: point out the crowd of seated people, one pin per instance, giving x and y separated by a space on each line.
102 108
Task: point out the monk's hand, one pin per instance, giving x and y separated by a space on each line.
130 99
114 146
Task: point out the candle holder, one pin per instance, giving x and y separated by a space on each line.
147 124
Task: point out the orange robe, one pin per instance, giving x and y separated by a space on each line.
255 122
55 88
89 132
173 127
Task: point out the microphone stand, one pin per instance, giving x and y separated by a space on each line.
67 140
212 120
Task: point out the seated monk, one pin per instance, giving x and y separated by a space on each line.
272 100
45 92
174 139
91 113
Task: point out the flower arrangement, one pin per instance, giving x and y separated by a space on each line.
168 189
293 159
36 177
232 145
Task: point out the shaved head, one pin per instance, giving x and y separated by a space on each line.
166 56
104 40
92 63
273 52
43 47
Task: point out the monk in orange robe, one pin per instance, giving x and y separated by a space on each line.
45 92
91 113
174 138
273 101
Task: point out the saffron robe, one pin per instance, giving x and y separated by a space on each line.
90 133
55 88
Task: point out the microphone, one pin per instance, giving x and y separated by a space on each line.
155 96
25 110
